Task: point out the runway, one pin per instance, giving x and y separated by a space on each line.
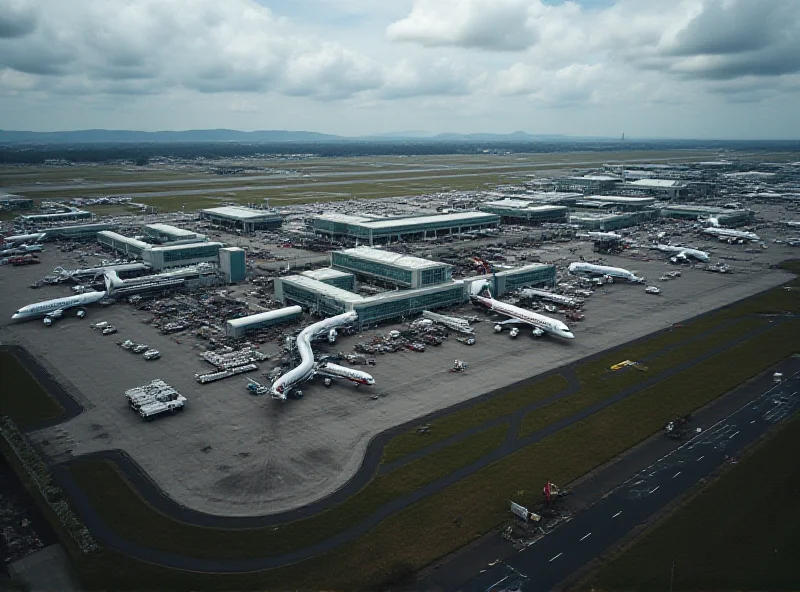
552 559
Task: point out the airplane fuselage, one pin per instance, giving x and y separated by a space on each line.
527 317
580 268
41 309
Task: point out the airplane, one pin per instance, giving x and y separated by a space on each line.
682 253
21 250
307 369
54 309
545 295
23 238
730 233
601 235
541 324
581 268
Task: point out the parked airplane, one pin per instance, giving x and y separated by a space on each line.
682 253
23 239
21 250
540 323
601 235
590 269
730 233
54 309
307 369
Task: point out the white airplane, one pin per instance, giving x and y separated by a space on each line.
21 239
545 295
21 250
590 269
730 233
307 369
540 323
54 309
682 253
600 235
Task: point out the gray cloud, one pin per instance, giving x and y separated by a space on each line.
16 19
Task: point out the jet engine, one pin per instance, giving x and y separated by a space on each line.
81 313
498 328
514 332
537 332
48 321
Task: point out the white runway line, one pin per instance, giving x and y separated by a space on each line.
586 536
654 490
617 514
556 557
676 474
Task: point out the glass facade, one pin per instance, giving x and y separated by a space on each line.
395 275
377 310
439 275
192 252
545 275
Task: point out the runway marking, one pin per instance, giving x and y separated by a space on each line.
702 457
617 514
676 474
654 490
753 421
586 536
734 433
556 557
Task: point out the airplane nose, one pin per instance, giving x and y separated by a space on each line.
569 335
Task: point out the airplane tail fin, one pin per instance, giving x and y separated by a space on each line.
112 280
480 288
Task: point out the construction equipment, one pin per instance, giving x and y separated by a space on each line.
458 366
553 492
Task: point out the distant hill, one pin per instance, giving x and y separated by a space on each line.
120 136
102 136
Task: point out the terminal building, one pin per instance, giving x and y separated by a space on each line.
519 211
79 231
161 257
587 183
168 234
9 201
386 230
662 188
327 300
27 220
238 328
622 203
528 276
122 244
609 221
164 257
245 219
232 264
724 217
333 277
402 271
553 198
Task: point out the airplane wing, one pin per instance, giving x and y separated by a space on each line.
513 321
55 314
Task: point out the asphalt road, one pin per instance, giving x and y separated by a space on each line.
552 559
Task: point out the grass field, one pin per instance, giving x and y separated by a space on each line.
742 532
21 397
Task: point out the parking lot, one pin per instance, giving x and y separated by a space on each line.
231 453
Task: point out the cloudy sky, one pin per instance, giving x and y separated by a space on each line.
649 68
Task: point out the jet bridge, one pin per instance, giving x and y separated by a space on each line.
305 370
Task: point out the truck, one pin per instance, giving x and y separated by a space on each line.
153 410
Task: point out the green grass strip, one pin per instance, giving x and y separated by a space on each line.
599 389
129 515
455 423
22 398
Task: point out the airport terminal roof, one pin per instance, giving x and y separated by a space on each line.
657 183
389 258
240 213
422 220
623 199
523 205
345 218
183 246
173 230
325 273
322 288
125 239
